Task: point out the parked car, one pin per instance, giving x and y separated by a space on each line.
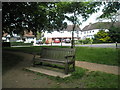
56 41
63 40
46 42
67 40
39 42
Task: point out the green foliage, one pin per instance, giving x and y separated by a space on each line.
86 41
35 16
44 39
38 36
114 33
109 9
101 37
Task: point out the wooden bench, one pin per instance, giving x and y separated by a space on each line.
62 56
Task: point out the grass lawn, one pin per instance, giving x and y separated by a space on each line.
107 56
98 55
81 78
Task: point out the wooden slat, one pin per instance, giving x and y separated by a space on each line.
57 55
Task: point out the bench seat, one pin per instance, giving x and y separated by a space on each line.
62 56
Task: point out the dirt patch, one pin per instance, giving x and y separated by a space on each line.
16 77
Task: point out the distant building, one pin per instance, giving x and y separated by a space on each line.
90 30
28 37
63 34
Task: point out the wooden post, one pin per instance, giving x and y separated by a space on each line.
116 44
66 68
51 43
61 41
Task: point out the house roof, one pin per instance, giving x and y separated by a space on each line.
100 25
29 36
70 28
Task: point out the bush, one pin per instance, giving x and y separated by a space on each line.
101 37
86 41
43 40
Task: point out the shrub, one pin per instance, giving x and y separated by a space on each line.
43 40
86 41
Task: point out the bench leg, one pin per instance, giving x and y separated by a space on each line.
33 63
66 68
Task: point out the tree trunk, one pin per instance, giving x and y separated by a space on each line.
72 43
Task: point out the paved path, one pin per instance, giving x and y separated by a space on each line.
110 45
98 67
87 65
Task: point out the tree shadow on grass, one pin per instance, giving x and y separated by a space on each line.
9 61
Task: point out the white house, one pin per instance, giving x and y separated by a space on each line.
27 37
90 30
63 34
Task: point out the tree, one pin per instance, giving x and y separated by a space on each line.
111 11
101 37
114 33
34 16
78 9
22 15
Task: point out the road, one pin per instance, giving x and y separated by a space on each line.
110 45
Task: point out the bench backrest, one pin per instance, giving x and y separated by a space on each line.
56 53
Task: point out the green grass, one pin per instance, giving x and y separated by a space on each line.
107 56
101 80
98 55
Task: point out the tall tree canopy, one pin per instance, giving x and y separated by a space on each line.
34 16
111 11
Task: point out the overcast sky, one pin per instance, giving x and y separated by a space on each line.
91 19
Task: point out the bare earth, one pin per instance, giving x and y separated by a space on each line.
16 77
